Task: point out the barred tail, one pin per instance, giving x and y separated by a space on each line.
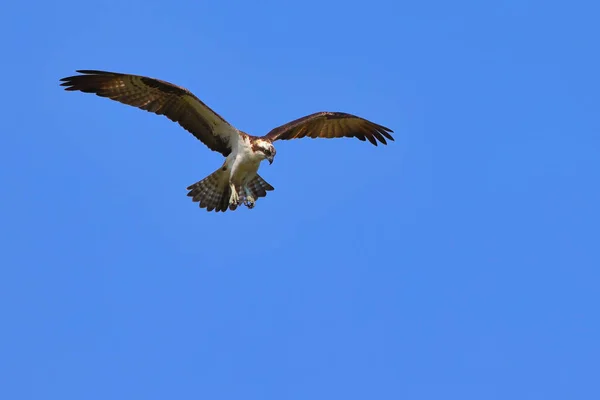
259 187
212 192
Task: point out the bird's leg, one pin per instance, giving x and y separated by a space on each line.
249 199
234 199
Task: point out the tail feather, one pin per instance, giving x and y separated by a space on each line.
213 192
259 187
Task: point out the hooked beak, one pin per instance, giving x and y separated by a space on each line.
270 160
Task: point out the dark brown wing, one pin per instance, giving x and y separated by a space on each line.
162 98
331 125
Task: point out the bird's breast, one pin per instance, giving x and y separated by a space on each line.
245 167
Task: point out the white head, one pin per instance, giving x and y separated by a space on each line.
264 149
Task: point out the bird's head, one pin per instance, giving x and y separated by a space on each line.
265 150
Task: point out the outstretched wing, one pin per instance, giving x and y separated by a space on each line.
327 124
162 98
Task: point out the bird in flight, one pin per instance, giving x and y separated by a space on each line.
236 181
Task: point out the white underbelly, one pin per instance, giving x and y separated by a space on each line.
245 172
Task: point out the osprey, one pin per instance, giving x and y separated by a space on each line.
237 180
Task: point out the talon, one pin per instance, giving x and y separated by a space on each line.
249 201
248 198
234 199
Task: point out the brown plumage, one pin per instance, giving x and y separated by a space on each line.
327 124
237 181
259 187
213 191
156 96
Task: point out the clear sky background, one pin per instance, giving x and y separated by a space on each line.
461 261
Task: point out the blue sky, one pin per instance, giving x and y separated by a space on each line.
461 261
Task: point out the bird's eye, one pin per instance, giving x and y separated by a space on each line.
267 152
